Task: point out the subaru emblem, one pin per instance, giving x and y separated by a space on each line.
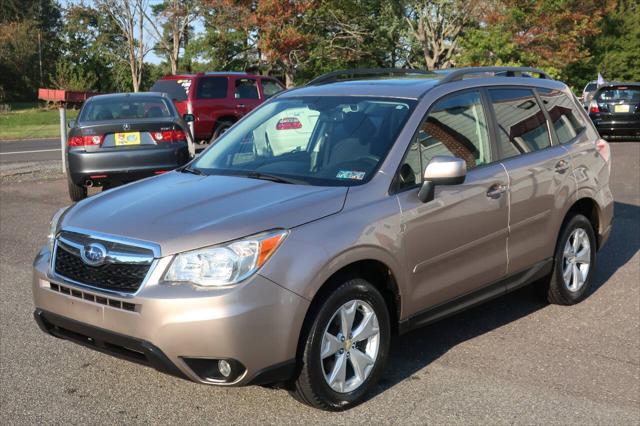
93 254
126 126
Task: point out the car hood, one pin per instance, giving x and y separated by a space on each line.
180 211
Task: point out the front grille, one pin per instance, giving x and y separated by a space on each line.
120 276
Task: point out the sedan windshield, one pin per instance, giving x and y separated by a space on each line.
125 107
335 141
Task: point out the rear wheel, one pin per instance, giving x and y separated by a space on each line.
345 349
76 192
222 127
574 262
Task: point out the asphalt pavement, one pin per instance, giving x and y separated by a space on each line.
515 359
17 151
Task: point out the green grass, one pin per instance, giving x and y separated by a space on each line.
27 122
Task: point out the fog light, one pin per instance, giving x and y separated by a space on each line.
224 367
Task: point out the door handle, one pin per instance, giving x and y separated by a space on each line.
240 106
562 166
495 191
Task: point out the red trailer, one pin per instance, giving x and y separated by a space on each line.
68 97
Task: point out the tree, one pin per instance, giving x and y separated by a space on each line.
129 16
170 26
550 34
617 48
437 25
281 36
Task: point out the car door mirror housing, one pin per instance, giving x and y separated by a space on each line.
441 170
188 118
71 124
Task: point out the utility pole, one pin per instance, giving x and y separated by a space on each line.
40 55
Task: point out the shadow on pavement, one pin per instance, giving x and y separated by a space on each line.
415 350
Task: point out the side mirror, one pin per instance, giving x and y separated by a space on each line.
441 170
188 118
71 124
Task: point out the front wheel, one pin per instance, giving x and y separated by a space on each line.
346 348
220 129
574 262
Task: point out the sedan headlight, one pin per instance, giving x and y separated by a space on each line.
53 226
225 264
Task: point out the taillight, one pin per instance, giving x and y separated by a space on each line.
603 149
94 140
593 107
169 136
288 123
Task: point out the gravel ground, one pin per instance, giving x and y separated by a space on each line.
512 360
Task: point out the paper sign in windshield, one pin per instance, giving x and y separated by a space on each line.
350 174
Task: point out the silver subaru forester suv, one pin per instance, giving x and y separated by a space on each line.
333 217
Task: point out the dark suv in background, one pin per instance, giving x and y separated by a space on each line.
615 111
216 99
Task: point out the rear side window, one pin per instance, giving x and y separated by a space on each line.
270 88
246 88
590 87
455 126
565 118
177 90
522 126
212 88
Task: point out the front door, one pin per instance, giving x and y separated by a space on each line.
456 243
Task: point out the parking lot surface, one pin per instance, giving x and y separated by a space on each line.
513 360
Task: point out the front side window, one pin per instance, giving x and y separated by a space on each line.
522 126
565 118
212 88
327 140
246 88
455 126
125 107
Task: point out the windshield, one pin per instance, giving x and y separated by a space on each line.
335 141
125 107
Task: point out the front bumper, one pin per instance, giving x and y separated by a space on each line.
256 323
124 165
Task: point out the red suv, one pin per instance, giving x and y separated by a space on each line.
216 99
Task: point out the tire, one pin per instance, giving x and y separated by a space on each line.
575 288
222 127
76 192
312 387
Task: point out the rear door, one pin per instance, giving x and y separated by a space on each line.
245 94
210 101
540 175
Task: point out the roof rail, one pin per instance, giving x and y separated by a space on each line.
225 73
371 72
456 74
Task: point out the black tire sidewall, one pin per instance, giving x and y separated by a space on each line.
350 290
76 192
577 221
222 127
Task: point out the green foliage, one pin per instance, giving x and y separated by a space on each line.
617 49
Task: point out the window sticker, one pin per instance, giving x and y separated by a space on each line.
350 174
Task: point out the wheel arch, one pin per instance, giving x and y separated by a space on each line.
589 208
378 273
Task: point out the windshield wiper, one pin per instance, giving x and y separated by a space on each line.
193 171
272 178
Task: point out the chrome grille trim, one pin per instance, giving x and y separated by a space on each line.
151 258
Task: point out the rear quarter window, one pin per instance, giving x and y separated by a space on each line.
178 90
565 118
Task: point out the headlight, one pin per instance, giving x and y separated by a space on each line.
225 264
53 226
